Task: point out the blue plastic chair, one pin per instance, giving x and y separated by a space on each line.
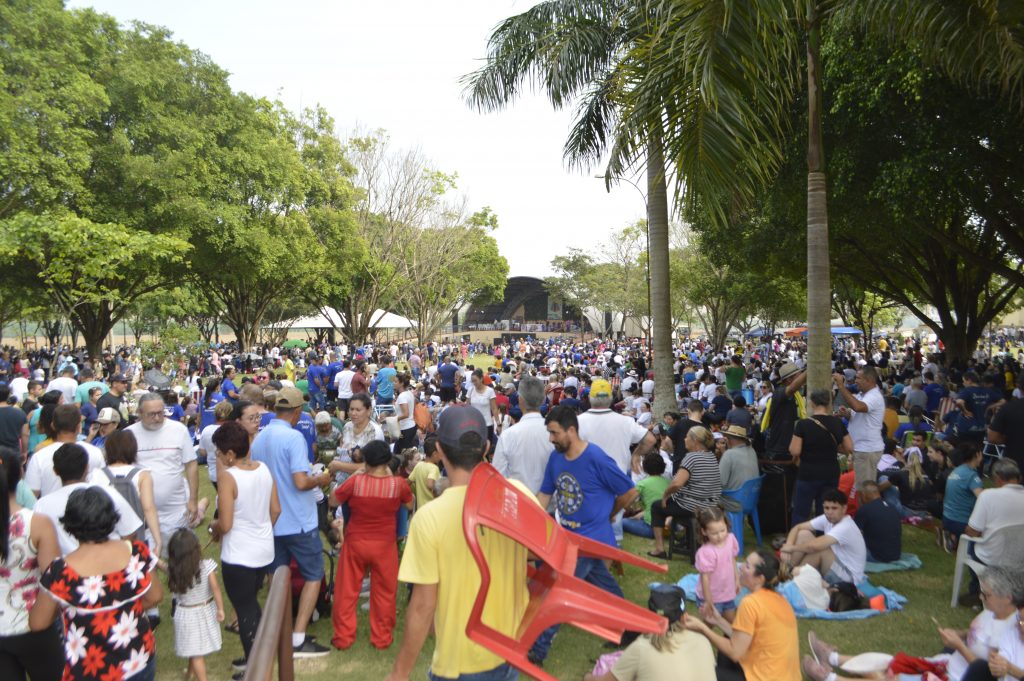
748 495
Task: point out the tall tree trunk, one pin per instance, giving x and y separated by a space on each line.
819 290
657 255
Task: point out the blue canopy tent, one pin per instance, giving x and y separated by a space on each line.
841 331
758 332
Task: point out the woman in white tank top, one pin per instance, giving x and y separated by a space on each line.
248 508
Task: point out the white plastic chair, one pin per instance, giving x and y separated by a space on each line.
1012 556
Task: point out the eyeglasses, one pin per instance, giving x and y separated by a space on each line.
254 418
152 414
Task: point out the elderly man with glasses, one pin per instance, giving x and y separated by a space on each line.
165 449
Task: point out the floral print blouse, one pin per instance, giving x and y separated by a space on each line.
108 635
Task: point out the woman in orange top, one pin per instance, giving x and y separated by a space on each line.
762 643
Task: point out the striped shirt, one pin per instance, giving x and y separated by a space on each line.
705 484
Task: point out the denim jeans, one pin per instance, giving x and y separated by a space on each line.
638 527
505 672
317 401
617 527
592 571
807 495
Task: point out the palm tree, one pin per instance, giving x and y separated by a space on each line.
722 74
573 49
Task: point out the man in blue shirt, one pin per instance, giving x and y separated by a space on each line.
386 382
316 374
296 535
447 372
589 491
332 370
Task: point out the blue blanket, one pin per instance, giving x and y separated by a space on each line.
789 590
907 561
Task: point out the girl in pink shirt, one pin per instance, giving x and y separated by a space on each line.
716 562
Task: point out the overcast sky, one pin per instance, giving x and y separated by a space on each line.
396 65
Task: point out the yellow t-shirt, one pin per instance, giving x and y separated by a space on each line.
774 653
892 421
691 659
289 369
422 480
436 553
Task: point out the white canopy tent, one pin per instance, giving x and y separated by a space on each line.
380 319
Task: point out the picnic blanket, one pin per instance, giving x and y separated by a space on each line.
906 561
790 591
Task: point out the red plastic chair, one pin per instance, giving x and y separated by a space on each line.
557 596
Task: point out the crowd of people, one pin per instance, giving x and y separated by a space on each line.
364 453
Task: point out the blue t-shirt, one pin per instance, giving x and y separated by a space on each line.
959 499
333 369
977 400
315 374
586 490
226 388
447 372
385 388
306 427
935 393
283 451
174 412
89 414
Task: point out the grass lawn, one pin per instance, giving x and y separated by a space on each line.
574 652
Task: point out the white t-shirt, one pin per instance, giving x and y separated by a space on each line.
1012 648
39 475
482 402
66 385
613 433
206 444
406 397
54 504
812 587
165 452
984 633
850 551
647 388
19 386
866 427
996 508
343 382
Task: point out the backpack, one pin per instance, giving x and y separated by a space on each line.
126 488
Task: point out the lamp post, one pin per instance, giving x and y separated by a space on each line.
647 244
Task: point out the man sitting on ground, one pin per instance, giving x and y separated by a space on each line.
838 553
880 524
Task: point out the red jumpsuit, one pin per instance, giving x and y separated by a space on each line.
370 544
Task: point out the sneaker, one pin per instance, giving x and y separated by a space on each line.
309 649
814 670
819 649
238 676
534 659
940 539
154 622
949 542
365 607
239 664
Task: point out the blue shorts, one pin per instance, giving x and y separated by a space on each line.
307 550
720 607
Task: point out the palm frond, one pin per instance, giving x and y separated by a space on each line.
558 46
978 42
720 75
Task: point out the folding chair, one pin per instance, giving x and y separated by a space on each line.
556 595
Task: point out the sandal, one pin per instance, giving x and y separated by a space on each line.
233 627
658 554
